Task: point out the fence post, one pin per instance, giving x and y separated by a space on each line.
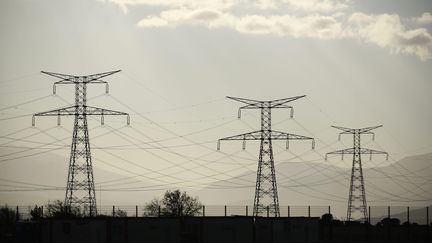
203 209
388 211
289 211
329 210
159 211
246 210
427 215
369 216
42 211
268 211
136 211
17 213
225 209
308 211
113 213
408 216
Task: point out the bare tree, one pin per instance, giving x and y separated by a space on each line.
174 203
153 207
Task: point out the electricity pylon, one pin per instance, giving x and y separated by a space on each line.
357 209
266 197
80 189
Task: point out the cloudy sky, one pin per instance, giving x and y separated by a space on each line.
360 63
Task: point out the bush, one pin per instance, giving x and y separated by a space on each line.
120 213
390 222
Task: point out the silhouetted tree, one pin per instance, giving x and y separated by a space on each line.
8 218
57 209
174 203
8 215
36 213
152 208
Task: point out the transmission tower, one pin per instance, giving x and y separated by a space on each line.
357 209
80 189
266 196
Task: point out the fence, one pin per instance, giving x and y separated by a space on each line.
418 215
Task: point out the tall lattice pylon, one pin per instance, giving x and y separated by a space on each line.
266 199
80 189
357 206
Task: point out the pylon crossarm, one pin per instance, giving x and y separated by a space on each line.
283 107
67 78
280 102
95 111
96 76
255 103
367 129
276 135
342 152
345 129
90 110
68 81
360 130
256 135
64 81
71 110
67 111
371 151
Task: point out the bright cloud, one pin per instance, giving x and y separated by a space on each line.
174 17
320 19
304 5
318 5
387 30
314 26
191 4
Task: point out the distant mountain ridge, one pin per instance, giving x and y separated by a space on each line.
405 182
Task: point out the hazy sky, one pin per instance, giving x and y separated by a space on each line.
360 63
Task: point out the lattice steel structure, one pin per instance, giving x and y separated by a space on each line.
80 189
266 197
357 206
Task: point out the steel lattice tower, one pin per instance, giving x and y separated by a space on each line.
80 189
357 207
266 196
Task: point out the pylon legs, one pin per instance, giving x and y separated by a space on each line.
80 190
357 208
266 197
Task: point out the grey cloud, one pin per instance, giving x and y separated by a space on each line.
414 37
